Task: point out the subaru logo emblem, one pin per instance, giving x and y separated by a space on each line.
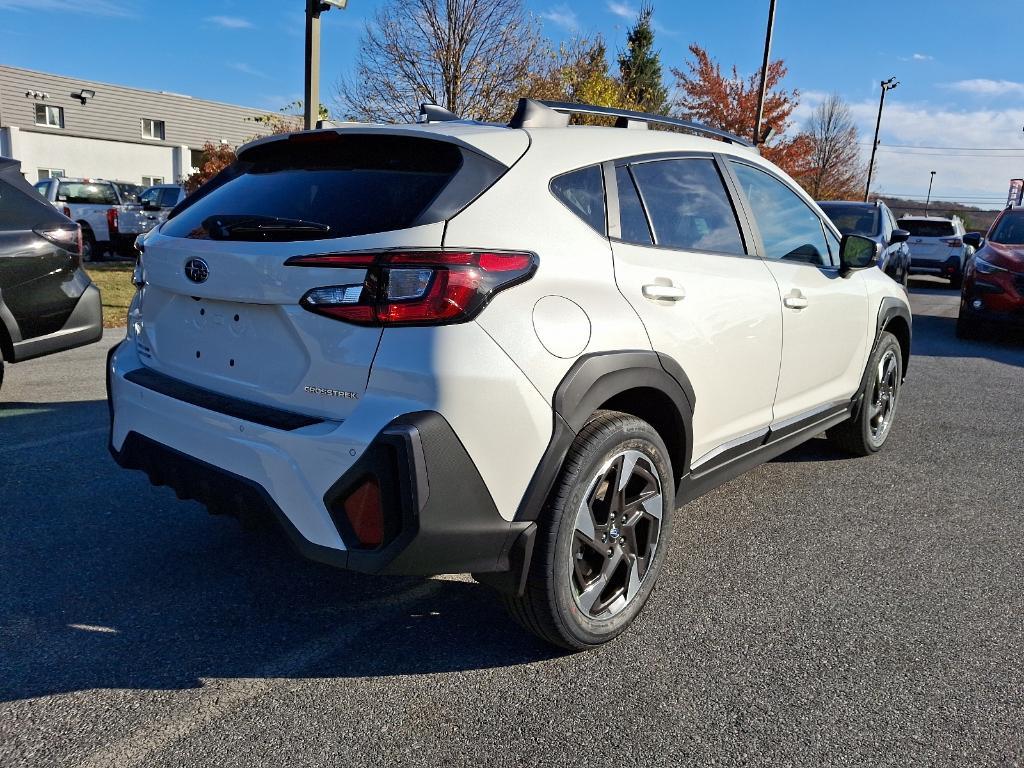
197 270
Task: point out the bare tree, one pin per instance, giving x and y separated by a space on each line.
836 169
472 57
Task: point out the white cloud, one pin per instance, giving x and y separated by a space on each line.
623 10
922 57
97 7
983 87
228 22
562 16
247 69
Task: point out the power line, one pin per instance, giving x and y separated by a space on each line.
925 146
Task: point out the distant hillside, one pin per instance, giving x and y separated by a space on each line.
975 219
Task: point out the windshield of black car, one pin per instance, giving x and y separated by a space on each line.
926 228
1009 230
853 219
355 185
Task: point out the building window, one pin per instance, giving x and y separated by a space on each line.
50 173
152 129
48 115
152 181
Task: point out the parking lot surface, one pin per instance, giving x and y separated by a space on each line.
818 610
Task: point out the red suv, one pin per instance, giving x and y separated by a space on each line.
993 287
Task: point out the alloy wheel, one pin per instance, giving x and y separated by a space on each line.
617 532
884 396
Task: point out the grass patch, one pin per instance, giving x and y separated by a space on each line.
114 280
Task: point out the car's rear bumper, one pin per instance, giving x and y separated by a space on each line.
438 514
940 267
83 326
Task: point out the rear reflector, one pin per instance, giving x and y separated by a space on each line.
365 514
415 287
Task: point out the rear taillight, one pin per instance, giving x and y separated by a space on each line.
415 287
112 220
952 242
68 237
67 211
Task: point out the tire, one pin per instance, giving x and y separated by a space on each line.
89 252
967 327
577 595
867 430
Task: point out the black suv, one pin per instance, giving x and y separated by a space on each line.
47 301
876 221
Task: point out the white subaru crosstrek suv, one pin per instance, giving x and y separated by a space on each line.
511 351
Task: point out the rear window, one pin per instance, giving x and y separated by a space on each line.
922 228
21 211
86 193
853 219
346 185
130 192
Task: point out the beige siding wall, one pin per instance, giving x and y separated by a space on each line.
116 112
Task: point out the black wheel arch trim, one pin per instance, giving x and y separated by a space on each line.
891 308
594 380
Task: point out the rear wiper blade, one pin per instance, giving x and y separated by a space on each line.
226 227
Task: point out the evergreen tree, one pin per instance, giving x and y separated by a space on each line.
640 67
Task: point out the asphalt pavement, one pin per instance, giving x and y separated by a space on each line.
820 610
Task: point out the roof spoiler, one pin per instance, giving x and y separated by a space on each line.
535 113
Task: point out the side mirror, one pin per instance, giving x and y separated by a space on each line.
899 236
973 239
856 252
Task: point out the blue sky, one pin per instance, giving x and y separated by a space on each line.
953 93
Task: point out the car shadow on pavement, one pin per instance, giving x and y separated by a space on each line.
935 336
108 582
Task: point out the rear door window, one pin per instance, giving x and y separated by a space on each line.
688 206
346 185
582 192
632 219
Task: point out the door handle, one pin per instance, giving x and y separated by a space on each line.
669 292
795 300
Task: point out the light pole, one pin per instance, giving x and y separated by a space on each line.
928 200
759 139
313 10
887 85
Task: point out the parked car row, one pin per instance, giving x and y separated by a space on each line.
112 214
993 286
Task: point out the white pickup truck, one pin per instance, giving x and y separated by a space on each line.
110 212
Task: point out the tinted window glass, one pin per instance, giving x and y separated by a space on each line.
688 205
1009 229
129 192
853 219
169 197
354 185
82 192
150 196
789 228
583 192
924 228
632 220
18 211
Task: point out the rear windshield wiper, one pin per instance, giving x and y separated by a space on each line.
260 227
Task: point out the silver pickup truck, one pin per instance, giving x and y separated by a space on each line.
110 212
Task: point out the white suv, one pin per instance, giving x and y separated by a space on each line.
510 351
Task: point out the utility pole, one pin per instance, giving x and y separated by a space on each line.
312 102
928 201
887 85
759 138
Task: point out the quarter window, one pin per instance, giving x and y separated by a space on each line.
582 192
789 228
632 219
688 205
152 129
49 115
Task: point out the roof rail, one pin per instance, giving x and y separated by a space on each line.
535 113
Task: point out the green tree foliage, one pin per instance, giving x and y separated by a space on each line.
640 67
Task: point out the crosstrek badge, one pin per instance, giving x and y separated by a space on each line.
332 392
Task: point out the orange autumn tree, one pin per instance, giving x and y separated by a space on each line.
708 96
